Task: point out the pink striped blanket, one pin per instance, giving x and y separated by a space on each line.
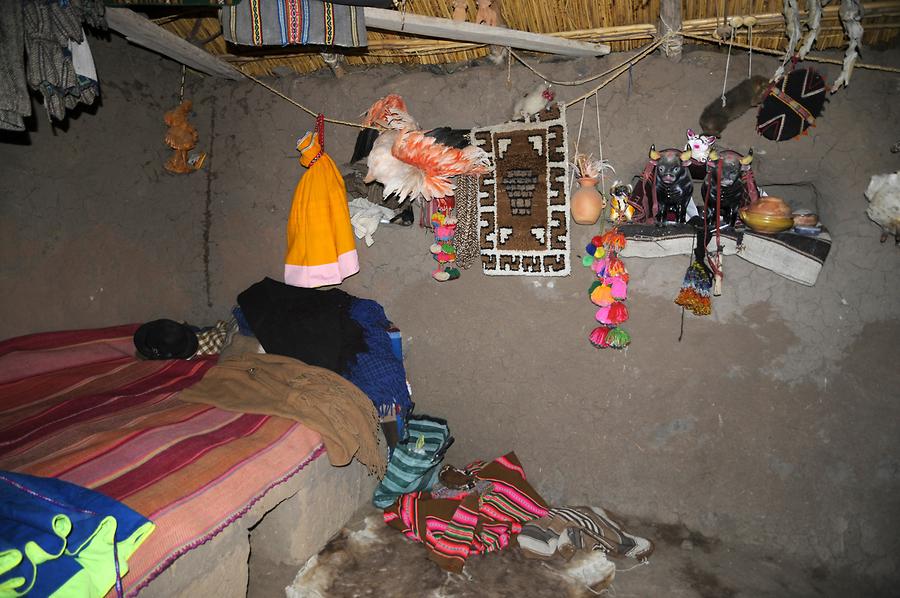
78 406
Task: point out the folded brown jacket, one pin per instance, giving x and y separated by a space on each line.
316 397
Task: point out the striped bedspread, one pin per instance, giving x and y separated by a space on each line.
78 406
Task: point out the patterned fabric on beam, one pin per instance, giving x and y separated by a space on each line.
294 22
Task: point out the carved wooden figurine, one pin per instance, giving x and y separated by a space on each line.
459 9
488 13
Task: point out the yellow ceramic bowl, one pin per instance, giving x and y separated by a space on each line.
765 223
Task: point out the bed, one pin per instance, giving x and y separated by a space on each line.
219 485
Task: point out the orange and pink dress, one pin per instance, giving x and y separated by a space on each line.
321 249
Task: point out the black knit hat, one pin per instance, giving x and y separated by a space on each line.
165 339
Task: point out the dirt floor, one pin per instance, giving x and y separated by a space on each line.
685 564
771 427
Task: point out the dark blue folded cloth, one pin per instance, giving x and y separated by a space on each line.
378 372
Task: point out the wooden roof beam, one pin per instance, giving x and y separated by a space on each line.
145 33
390 20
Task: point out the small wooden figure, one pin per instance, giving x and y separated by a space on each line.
488 13
459 9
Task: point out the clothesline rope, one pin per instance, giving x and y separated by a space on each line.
302 107
587 79
622 68
810 57
616 71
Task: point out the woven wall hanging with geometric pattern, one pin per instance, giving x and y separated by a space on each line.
523 205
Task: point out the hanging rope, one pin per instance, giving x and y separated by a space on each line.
750 43
181 93
577 142
672 42
600 141
578 82
620 69
810 57
302 107
727 64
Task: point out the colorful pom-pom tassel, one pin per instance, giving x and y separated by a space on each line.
616 267
593 286
600 266
618 338
696 289
590 248
613 240
613 315
602 296
598 337
618 285
587 260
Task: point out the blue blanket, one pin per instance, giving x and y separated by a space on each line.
60 539
378 372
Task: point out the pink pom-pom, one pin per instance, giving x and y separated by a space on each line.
618 285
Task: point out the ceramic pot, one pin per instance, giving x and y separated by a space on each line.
587 202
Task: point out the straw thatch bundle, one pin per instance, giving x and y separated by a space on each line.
624 24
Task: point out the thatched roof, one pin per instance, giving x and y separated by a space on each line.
623 24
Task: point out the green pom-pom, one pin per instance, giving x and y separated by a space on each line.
587 260
618 338
594 285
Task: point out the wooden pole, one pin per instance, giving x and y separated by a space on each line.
143 32
391 20
670 20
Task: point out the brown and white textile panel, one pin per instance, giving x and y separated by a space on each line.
523 205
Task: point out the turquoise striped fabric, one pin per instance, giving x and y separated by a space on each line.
414 463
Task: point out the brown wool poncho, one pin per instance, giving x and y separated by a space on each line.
316 397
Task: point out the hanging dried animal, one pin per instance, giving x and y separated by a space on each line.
851 17
737 100
411 162
182 137
883 195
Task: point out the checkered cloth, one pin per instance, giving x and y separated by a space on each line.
212 340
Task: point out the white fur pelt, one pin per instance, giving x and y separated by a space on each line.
883 195
378 560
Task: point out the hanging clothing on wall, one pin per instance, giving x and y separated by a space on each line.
42 43
320 246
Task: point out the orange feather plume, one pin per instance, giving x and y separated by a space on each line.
380 112
438 163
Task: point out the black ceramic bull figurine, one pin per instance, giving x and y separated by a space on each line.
738 188
673 184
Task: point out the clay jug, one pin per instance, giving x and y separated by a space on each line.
587 202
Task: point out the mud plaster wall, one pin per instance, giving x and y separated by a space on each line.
772 422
